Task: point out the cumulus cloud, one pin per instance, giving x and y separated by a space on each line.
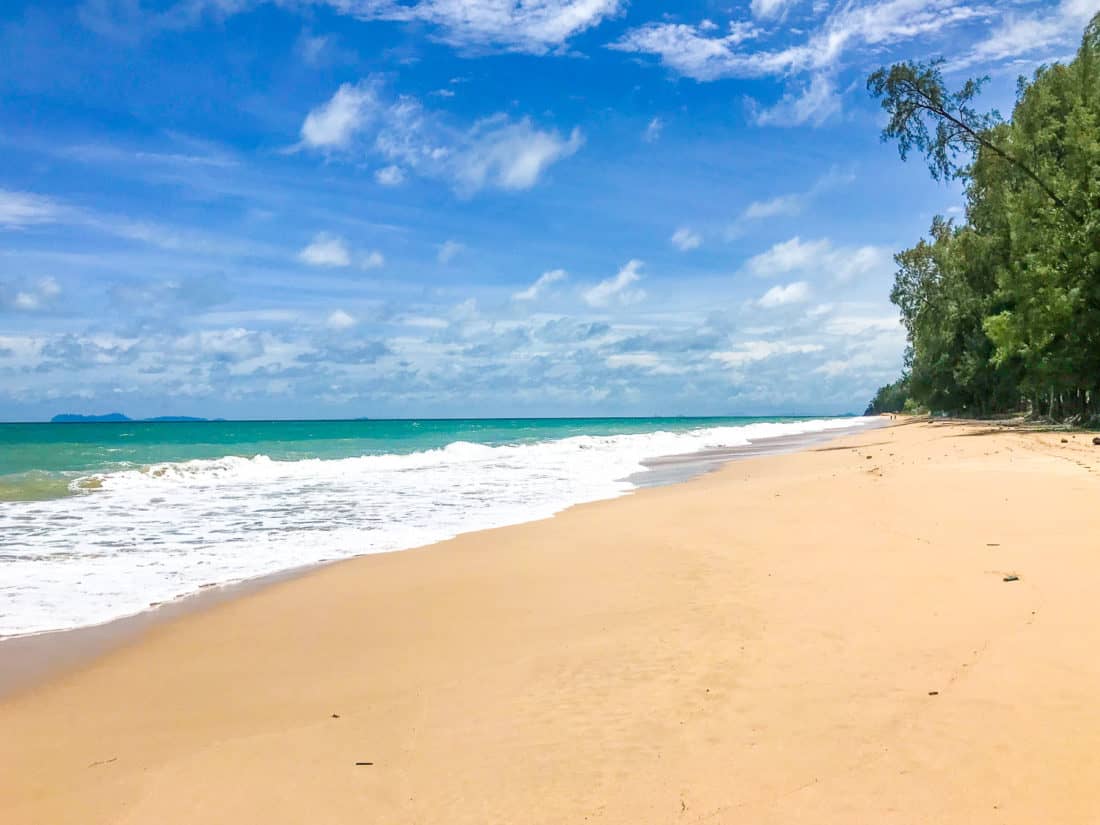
617 289
692 51
447 357
326 250
778 296
788 256
373 259
751 352
541 284
843 263
699 53
495 152
333 124
510 155
686 239
533 26
340 320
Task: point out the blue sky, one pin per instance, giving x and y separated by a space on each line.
467 207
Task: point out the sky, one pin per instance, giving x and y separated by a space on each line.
449 208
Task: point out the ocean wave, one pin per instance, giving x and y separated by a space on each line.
134 536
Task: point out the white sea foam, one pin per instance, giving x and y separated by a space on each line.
136 537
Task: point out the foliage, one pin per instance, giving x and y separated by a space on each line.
890 399
1002 312
914 95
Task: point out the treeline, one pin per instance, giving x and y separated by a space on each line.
1002 310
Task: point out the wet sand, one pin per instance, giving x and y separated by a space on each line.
825 636
30 659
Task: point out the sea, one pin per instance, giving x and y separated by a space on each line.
102 520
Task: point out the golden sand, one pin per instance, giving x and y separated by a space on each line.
825 637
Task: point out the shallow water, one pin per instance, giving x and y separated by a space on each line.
109 518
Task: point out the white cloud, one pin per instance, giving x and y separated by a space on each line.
633 359
689 50
541 284
466 310
843 263
340 320
497 151
648 361
849 326
815 104
19 209
751 352
653 130
686 239
770 9
617 288
326 250
693 52
778 296
781 205
788 256
1043 30
511 155
847 264
794 203
534 26
333 124
373 259
390 175
30 297
531 26
421 322
448 250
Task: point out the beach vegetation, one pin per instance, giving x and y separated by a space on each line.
891 398
1001 307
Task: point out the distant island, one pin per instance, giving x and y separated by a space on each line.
75 418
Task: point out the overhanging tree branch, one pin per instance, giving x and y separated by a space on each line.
909 91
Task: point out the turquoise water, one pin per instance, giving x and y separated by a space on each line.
41 461
101 520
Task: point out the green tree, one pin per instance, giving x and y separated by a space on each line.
916 97
892 398
1005 308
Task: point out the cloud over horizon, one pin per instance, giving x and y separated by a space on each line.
415 207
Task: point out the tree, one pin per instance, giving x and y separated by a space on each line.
892 398
1005 308
914 95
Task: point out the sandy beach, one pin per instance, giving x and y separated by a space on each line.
821 637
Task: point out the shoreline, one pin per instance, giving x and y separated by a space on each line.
29 659
898 628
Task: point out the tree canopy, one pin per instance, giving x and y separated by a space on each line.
1002 309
